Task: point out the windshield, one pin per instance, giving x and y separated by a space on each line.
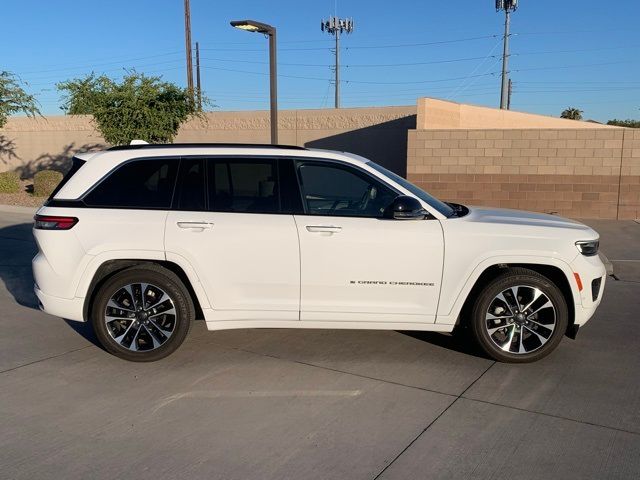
441 207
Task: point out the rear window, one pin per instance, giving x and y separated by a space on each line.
144 183
76 163
190 191
248 186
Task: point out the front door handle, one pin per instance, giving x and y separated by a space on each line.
199 226
323 229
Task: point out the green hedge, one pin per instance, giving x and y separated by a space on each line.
9 182
45 181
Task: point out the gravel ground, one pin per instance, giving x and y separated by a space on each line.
23 198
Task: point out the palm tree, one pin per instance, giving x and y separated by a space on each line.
572 114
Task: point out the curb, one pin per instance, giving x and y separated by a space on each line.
18 209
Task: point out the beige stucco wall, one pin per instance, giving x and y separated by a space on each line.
441 114
378 133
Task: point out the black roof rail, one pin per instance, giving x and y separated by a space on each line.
146 146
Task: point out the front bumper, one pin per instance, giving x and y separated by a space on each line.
67 308
589 269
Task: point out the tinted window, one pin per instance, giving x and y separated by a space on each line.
190 189
290 198
336 190
137 184
249 186
440 206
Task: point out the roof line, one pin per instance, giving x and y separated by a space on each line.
201 145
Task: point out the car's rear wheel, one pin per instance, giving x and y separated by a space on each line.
520 316
142 314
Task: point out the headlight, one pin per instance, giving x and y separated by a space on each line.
588 248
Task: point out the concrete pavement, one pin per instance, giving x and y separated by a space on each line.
325 404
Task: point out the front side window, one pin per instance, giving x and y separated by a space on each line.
332 189
244 186
144 183
433 202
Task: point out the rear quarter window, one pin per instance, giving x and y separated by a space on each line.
76 164
144 183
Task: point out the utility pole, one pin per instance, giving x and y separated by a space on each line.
187 39
198 87
335 26
508 6
509 96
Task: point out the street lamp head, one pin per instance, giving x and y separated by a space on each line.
253 26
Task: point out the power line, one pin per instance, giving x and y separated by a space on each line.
579 50
477 67
352 81
569 66
85 66
132 67
354 47
350 65
441 42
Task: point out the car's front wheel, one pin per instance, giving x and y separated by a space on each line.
520 316
142 314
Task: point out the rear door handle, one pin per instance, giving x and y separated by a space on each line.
323 229
195 225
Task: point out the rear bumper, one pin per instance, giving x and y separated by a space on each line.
70 309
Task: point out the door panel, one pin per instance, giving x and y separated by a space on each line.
385 268
229 228
356 264
244 261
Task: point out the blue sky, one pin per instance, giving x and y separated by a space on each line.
583 54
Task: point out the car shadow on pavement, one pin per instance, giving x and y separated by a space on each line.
17 248
85 330
458 341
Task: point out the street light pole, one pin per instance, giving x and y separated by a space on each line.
258 27
273 86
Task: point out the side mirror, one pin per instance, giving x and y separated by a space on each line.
405 207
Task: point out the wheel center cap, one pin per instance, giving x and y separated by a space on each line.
142 315
520 317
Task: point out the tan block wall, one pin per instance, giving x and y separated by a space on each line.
630 176
28 145
583 173
439 114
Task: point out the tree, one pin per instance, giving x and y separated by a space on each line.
624 123
13 99
572 114
138 107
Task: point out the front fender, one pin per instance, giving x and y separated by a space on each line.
451 305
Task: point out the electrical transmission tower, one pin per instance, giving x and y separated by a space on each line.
508 6
335 26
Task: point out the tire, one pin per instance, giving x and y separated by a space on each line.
132 323
519 336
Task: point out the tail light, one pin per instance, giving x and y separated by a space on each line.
48 222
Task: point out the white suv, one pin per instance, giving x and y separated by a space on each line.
142 239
